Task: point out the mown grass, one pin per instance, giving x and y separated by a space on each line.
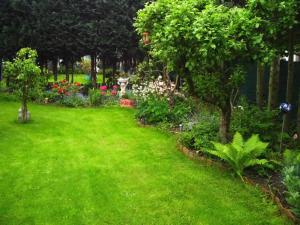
97 166
81 78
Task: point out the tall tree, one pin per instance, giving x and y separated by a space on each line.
273 97
260 85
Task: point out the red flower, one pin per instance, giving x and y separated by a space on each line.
77 84
61 91
55 86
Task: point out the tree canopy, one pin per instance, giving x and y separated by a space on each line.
210 42
69 28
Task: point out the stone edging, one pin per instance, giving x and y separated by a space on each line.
285 211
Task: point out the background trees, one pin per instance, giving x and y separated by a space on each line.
70 29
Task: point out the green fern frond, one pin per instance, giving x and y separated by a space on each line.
241 154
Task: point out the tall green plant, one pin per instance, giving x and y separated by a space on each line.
241 154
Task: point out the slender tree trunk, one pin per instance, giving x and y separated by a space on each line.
225 124
0 69
103 71
54 68
290 80
186 74
114 71
274 84
93 70
260 85
72 73
67 70
298 118
24 103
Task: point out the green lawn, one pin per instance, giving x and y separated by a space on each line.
97 166
81 78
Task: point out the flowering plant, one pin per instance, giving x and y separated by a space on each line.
156 87
103 88
65 88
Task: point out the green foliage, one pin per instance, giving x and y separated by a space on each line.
241 154
157 109
73 101
23 72
95 98
153 110
249 119
210 43
23 75
200 136
291 179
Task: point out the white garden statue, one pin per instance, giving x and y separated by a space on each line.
123 82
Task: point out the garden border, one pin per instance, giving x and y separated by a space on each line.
283 210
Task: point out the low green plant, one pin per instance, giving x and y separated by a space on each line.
73 101
200 135
249 119
95 98
291 179
240 154
154 110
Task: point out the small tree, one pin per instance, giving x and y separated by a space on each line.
24 73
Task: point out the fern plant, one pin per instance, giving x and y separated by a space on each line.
241 154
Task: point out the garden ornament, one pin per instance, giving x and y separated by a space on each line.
284 108
123 82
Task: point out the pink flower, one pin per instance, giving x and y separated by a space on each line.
114 92
103 88
115 87
103 92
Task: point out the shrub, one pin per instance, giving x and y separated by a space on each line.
157 109
241 154
200 135
183 109
291 179
154 110
74 101
249 119
95 98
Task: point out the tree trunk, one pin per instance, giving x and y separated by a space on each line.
67 70
298 119
72 73
54 68
225 124
186 74
114 71
290 80
274 84
93 70
103 71
260 85
24 103
0 69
